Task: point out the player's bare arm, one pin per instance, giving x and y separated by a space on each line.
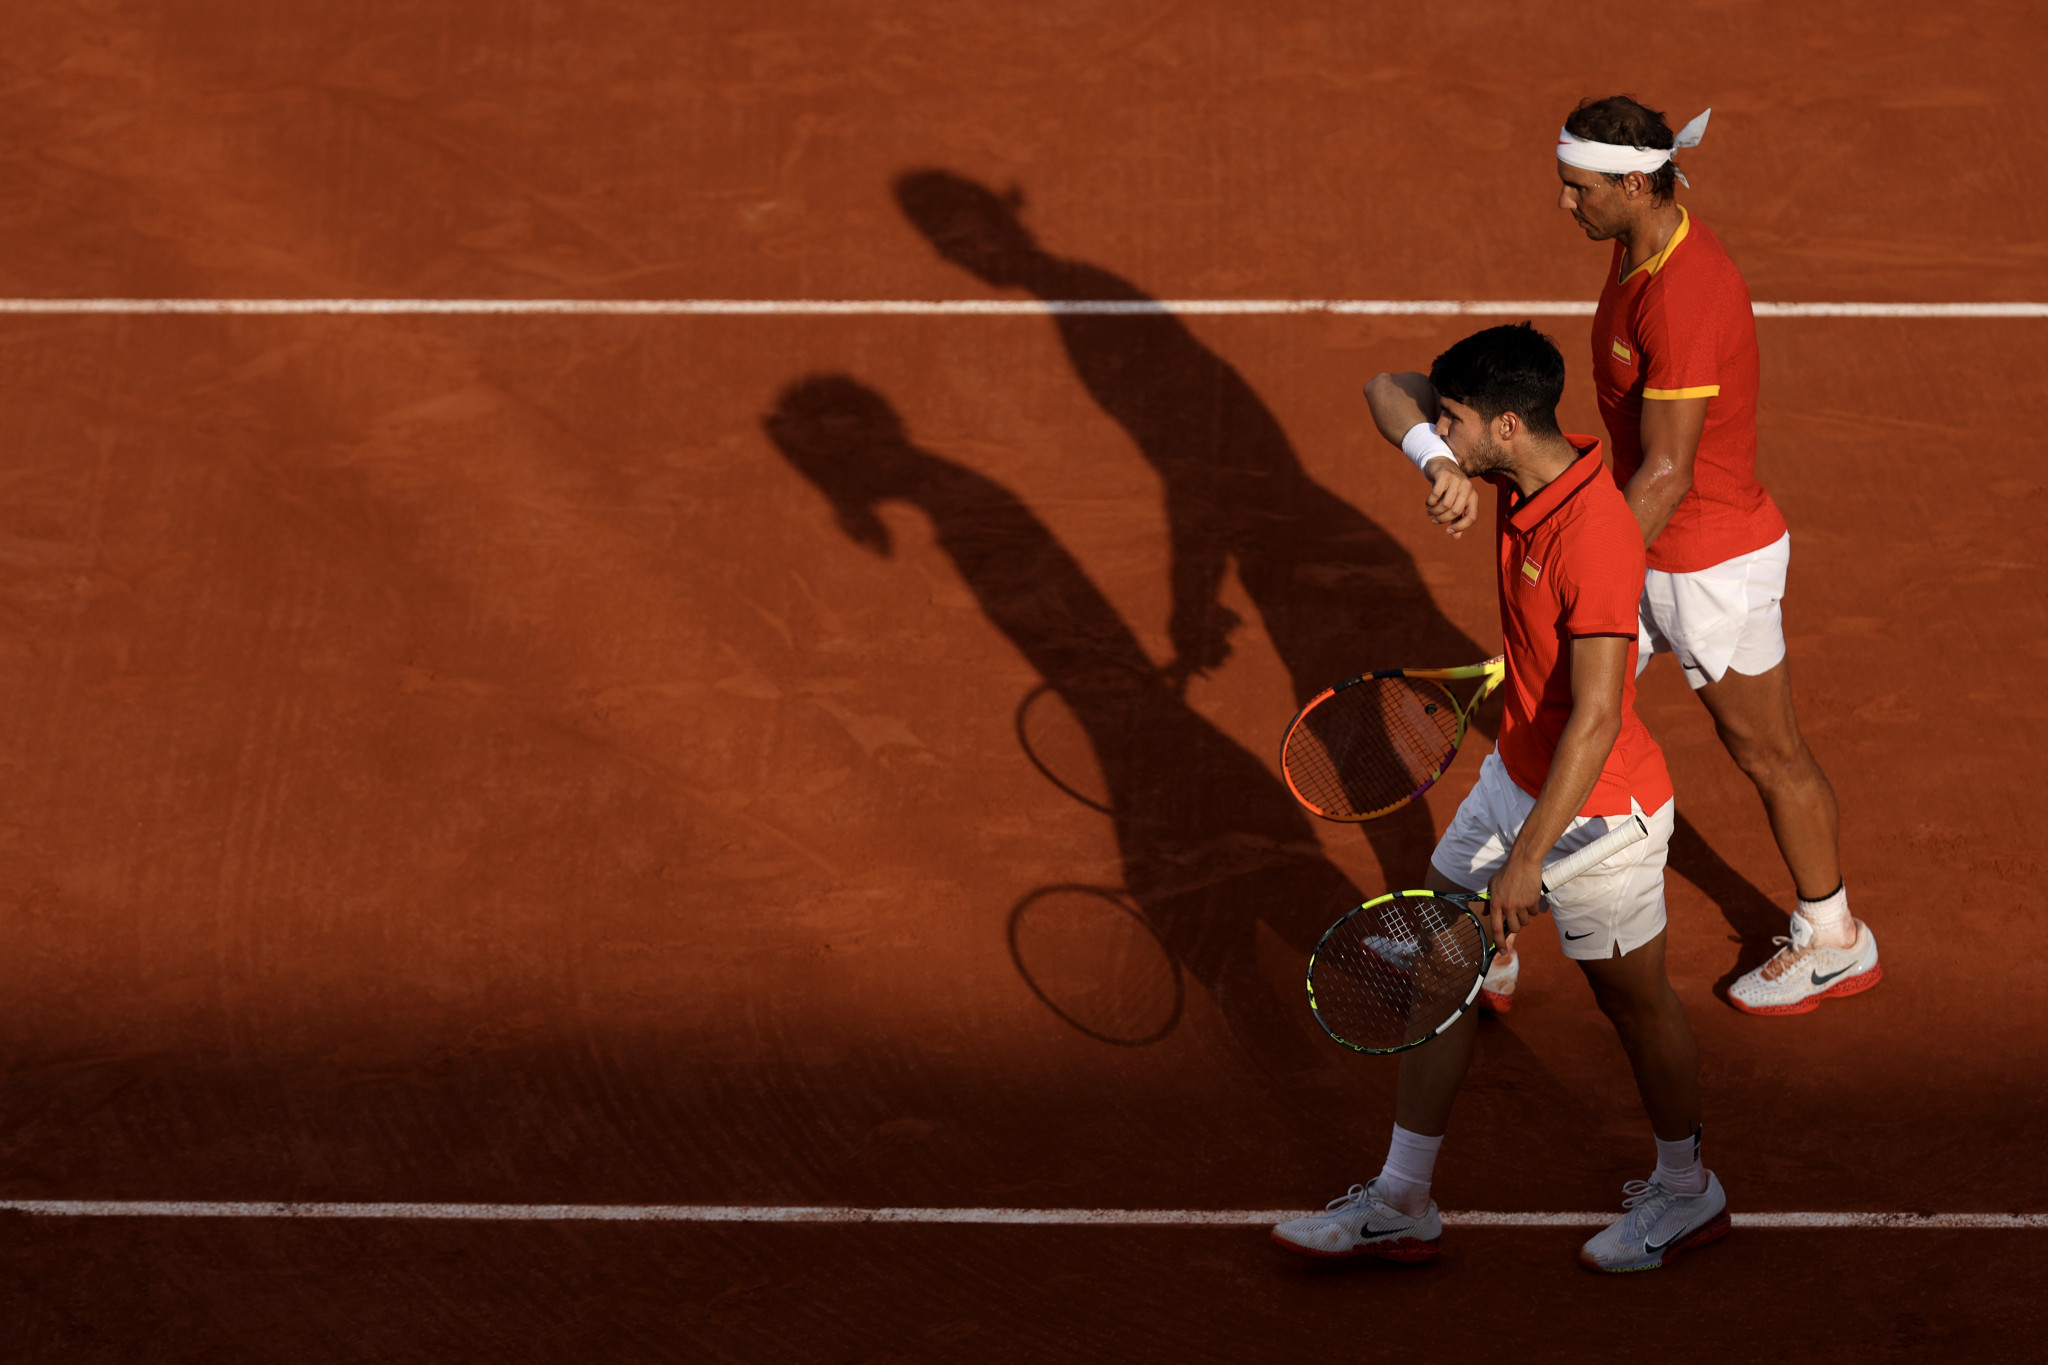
1671 430
1401 403
1599 668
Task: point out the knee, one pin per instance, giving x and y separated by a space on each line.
1634 1008
1622 1008
1767 760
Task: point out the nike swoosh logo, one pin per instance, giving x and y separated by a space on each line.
1576 937
1651 1249
1692 668
1820 980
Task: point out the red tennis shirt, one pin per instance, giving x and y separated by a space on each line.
1571 566
1679 326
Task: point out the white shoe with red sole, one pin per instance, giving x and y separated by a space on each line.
1803 973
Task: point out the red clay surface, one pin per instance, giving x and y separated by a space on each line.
492 760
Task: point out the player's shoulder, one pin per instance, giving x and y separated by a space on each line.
1701 262
1601 508
1601 530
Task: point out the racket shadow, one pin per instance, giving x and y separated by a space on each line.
1093 958
1210 841
1061 750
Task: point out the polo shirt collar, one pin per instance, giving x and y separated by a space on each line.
1526 514
1657 262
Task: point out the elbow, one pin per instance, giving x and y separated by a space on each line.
1599 722
1383 398
1610 731
1671 473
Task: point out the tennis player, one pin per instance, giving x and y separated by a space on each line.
1675 370
1572 759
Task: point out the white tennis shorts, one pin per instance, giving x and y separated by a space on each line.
1721 618
1620 903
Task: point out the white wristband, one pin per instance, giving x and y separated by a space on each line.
1422 444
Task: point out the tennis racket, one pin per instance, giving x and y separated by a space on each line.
1367 747
1399 970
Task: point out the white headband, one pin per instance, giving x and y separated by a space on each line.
1612 158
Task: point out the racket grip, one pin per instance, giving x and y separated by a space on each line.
1633 831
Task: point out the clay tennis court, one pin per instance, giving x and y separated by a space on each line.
714 766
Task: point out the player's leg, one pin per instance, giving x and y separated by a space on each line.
1611 922
1474 846
1681 1205
1828 953
1727 629
1430 1075
1725 625
1755 718
1634 993
1392 1217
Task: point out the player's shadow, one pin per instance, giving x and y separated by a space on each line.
1209 839
1335 592
1753 916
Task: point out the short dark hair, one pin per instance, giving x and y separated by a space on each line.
1504 369
1628 122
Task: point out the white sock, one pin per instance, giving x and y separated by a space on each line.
1411 1162
1829 915
1678 1164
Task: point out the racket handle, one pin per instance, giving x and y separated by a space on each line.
1633 831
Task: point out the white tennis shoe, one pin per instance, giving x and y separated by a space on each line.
1802 973
1659 1223
1497 992
1359 1224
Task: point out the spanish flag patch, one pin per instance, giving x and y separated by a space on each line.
1622 352
1531 570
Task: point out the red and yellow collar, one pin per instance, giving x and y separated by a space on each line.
1526 514
1657 262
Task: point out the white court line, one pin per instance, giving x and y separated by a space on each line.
826 1213
1554 308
